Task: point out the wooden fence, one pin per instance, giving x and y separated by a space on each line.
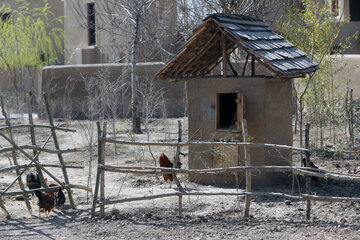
34 160
248 168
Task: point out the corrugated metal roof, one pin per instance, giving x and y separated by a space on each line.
203 51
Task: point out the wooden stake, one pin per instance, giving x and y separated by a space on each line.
248 173
98 173
176 160
308 178
66 178
351 125
102 176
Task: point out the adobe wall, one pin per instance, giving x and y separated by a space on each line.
268 114
54 77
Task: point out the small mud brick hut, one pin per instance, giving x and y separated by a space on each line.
221 92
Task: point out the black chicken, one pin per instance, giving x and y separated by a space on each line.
60 198
33 182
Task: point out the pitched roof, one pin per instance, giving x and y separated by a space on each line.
203 51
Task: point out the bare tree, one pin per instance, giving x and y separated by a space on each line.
66 101
134 25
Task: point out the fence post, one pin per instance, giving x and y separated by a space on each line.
56 143
176 160
308 178
351 125
102 174
96 191
247 163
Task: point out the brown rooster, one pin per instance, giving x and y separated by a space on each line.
46 202
165 162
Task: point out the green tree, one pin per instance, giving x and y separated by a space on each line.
28 38
314 30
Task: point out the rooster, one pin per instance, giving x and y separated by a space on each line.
46 202
165 162
33 182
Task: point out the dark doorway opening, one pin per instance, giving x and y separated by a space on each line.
227 109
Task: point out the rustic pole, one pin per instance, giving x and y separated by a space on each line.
245 64
102 175
252 66
66 178
33 140
21 184
248 173
96 191
308 178
176 160
351 125
224 58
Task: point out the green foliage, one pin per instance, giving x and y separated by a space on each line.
28 34
314 30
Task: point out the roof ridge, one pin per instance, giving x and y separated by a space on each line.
234 16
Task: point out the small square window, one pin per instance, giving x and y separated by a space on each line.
91 24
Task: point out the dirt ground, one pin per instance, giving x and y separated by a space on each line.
205 217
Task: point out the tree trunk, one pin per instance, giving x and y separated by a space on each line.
136 124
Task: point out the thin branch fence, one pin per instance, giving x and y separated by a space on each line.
248 168
34 160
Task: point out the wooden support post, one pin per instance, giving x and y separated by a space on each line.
252 66
308 178
231 66
246 61
102 175
21 184
351 125
176 160
66 178
224 57
247 163
98 173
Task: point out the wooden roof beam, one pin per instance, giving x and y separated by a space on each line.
210 43
184 55
224 58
